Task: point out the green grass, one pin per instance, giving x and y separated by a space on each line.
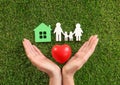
18 18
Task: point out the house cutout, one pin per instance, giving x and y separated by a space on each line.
43 33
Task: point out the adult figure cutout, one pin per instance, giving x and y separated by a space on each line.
58 30
78 32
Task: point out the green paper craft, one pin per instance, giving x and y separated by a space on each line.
43 33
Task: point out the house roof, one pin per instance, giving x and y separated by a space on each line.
42 26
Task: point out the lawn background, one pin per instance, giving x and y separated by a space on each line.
18 18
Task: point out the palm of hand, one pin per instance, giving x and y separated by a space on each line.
77 61
38 59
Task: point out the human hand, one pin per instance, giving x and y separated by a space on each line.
42 63
74 64
78 60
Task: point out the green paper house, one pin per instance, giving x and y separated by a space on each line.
43 33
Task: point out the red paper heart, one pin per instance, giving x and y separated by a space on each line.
61 53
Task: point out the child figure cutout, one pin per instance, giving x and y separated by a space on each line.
66 36
58 31
71 36
78 32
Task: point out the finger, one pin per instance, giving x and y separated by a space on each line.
85 44
29 45
37 50
25 47
29 48
82 46
92 40
86 48
94 44
81 49
91 50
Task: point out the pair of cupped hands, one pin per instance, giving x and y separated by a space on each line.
54 72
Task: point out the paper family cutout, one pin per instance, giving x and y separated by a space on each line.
43 33
58 31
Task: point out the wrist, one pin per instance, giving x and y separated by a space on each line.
56 73
67 73
56 79
67 78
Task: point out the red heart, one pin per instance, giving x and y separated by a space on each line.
61 53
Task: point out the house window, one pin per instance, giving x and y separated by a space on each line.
43 35
44 32
40 37
40 33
